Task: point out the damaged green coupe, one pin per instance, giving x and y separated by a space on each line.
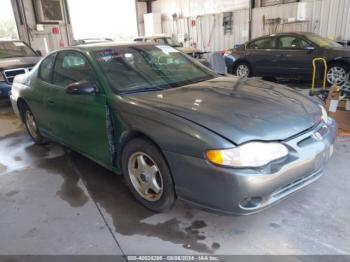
174 128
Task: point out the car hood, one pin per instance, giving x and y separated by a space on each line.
8 63
250 110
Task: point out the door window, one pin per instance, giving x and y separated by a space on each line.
71 67
45 71
292 42
265 43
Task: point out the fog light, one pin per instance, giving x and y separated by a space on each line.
251 202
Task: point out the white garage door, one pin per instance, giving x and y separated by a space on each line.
103 19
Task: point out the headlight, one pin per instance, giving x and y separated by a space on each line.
253 154
324 114
2 79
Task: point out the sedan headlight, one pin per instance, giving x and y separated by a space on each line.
253 154
324 114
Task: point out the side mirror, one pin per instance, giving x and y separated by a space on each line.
82 88
310 49
38 52
181 44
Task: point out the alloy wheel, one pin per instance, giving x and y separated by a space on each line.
145 176
242 70
336 75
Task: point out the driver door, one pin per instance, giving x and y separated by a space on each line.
80 120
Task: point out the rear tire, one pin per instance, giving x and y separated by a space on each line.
147 175
337 73
31 126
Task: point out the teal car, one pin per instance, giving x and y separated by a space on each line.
175 129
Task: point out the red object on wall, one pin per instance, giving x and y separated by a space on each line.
193 23
55 30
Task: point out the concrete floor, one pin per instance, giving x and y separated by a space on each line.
54 201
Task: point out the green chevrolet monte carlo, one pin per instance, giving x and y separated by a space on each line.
175 129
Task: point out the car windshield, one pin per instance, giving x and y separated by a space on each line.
15 49
146 68
323 42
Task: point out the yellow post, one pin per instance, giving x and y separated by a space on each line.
314 73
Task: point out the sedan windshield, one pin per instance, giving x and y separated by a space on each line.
146 68
15 49
322 42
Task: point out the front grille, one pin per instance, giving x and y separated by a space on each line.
297 184
11 73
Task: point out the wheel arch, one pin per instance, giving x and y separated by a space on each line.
240 61
21 103
338 60
129 135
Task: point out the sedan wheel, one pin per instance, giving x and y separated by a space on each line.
337 75
242 70
145 176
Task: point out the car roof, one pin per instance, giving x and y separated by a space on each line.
294 33
105 45
305 34
286 33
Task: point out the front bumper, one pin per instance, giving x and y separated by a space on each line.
4 89
246 191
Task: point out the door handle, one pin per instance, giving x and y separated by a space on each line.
50 101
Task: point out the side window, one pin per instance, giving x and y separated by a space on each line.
71 67
265 43
46 66
292 42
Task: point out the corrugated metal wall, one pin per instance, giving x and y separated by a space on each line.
271 12
329 18
208 32
188 8
276 2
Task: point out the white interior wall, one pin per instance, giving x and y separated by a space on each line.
208 32
329 18
188 8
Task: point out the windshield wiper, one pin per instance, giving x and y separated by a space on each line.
141 90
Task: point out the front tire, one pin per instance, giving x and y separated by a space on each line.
31 126
242 69
147 175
